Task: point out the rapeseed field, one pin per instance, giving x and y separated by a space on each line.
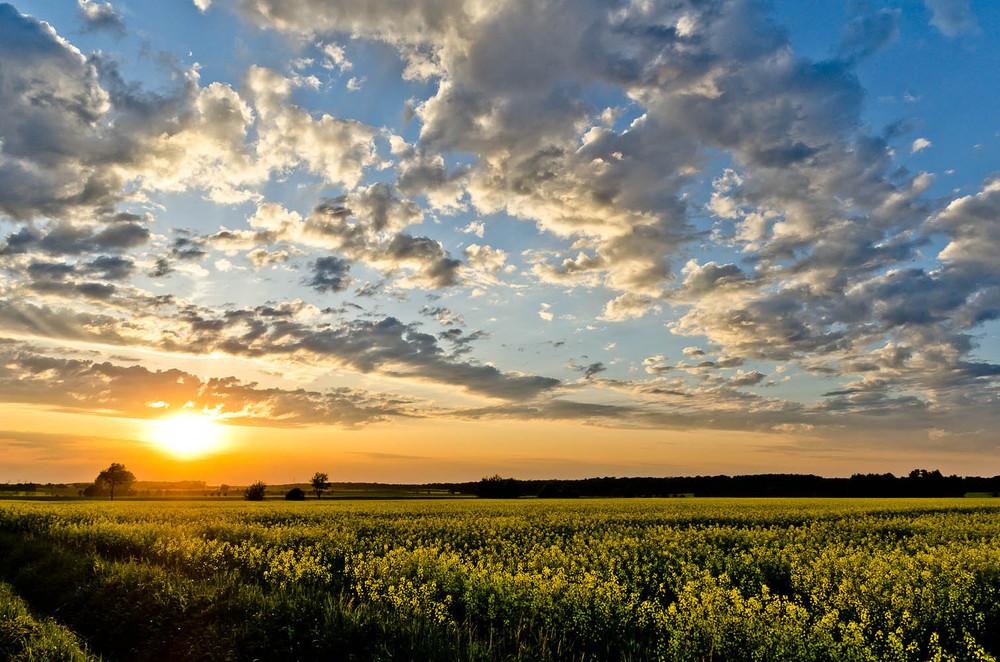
602 579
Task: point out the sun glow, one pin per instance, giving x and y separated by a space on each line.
188 436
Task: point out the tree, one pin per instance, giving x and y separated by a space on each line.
320 483
115 475
295 494
224 489
255 492
498 487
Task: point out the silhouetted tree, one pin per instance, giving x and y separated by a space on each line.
255 492
295 494
224 489
497 487
114 476
320 483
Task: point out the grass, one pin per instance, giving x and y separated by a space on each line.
25 639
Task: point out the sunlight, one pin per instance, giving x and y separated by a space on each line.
188 436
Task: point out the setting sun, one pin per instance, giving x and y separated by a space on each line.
188 435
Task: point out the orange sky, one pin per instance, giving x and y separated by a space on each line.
424 451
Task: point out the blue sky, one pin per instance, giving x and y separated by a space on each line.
770 225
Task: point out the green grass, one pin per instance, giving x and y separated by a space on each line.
25 639
692 579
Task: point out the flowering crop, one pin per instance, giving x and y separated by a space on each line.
692 579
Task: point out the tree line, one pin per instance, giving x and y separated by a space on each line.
918 483
117 480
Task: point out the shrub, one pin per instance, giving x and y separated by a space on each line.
255 492
295 494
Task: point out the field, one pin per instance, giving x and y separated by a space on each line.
680 579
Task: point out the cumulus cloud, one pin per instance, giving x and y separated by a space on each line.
486 258
54 152
338 150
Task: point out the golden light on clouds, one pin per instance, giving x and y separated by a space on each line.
188 436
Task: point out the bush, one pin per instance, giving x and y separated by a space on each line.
255 492
295 494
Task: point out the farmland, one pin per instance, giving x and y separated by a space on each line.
682 579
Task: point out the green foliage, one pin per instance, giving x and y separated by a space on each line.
25 639
676 580
255 492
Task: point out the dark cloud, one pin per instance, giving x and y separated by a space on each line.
161 268
101 17
64 239
329 274
110 267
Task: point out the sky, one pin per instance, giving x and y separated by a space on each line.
431 240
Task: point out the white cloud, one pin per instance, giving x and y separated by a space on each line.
336 57
919 144
477 228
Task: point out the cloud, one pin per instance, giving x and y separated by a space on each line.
336 57
486 258
868 33
101 16
106 388
626 306
952 17
475 227
51 111
919 144
751 378
329 274
386 347
338 150
443 315
261 257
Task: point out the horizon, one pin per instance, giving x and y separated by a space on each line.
269 483
243 239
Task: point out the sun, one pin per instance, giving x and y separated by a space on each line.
188 436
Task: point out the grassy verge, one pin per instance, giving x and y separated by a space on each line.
25 639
